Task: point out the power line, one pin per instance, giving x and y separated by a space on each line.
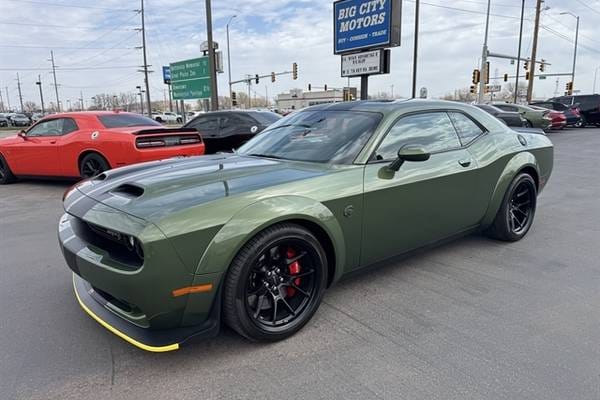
26 46
71 68
588 6
67 5
52 26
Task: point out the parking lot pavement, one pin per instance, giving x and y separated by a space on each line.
474 319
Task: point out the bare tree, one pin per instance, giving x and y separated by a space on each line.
30 106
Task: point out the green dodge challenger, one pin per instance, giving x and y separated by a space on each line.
166 251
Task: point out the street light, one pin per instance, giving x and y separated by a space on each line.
576 38
229 58
595 77
139 88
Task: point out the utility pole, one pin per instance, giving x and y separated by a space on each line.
484 55
576 40
267 95
20 95
55 84
229 60
519 52
2 101
7 97
81 99
595 79
39 83
170 98
415 50
214 96
536 29
145 66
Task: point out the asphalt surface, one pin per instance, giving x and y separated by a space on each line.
474 319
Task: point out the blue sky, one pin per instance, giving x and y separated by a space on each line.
269 36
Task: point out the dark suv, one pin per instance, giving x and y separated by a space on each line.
589 105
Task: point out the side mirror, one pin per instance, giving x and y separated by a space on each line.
22 134
409 153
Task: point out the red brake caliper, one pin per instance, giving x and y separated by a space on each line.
294 270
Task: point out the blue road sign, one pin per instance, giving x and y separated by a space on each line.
365 24
167 74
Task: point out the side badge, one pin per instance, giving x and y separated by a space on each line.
522 140
348 210
95 135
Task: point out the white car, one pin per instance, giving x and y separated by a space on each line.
167 117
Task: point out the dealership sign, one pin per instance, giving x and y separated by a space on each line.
367 63
366 24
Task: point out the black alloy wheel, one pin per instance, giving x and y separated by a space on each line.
521 207
93 164
516 213
275 284
6 175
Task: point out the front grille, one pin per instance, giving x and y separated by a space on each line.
116 244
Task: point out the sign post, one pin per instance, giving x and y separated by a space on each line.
167 81
190 79
368 26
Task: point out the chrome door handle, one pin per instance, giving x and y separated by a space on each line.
464 163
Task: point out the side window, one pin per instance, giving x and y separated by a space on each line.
466 128
69 126
432 131
207 124
52 127
506 107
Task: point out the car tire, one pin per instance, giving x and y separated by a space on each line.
159 119
92 164
6 175
528 124
179 120
582 123
266 296
516 213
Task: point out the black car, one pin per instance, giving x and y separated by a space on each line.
227 130
510 118
589 106
572 113
4 120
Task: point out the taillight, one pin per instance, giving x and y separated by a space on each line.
149 142
190 140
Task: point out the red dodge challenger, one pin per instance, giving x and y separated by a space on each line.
84 144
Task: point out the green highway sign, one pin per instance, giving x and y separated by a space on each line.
190 79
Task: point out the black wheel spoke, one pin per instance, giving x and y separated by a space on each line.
302 291
301 275
287 305
259 304
274 310
292 260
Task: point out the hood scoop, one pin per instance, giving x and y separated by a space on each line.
128 190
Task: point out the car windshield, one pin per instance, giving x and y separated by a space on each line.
19 116
316 136
125 120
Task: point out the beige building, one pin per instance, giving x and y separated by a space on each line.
297 99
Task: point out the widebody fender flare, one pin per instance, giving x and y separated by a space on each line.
254 218
516 164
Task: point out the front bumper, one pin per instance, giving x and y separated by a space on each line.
135 302
154 341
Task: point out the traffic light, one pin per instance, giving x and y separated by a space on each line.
325 87
272 76
476 76
569 87
294 71
309 87
473 89
526 65
542 65
256 78
487 72
233 99
505 77
527 75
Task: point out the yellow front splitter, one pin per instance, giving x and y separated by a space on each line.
127 338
